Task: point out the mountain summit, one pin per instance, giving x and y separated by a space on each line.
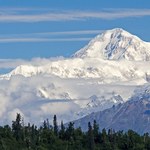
116 44
113 45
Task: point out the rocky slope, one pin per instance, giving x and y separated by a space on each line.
133 114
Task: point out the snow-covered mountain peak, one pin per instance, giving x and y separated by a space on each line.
110 45
116 44
74 87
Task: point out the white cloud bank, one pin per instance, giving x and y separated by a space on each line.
20 95
23 95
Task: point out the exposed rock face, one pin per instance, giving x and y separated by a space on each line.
134 114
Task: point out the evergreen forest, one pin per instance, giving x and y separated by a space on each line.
66 137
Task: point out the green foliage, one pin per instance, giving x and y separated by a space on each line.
62 131
46 137
91 144
55 125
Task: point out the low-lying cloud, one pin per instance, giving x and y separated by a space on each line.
20 95
13 63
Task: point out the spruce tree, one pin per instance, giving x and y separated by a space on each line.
91 144
70 131
16 127
96 131
62 131
55 125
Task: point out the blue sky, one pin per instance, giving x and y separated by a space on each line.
50 28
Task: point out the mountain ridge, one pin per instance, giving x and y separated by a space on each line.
133 114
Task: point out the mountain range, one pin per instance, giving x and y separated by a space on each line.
105 73
133 114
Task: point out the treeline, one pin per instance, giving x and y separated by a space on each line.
47 137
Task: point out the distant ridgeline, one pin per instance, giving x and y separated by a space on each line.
47 137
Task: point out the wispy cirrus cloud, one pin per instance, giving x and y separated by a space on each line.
49 36
84 32
42 34
14 40
41 15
